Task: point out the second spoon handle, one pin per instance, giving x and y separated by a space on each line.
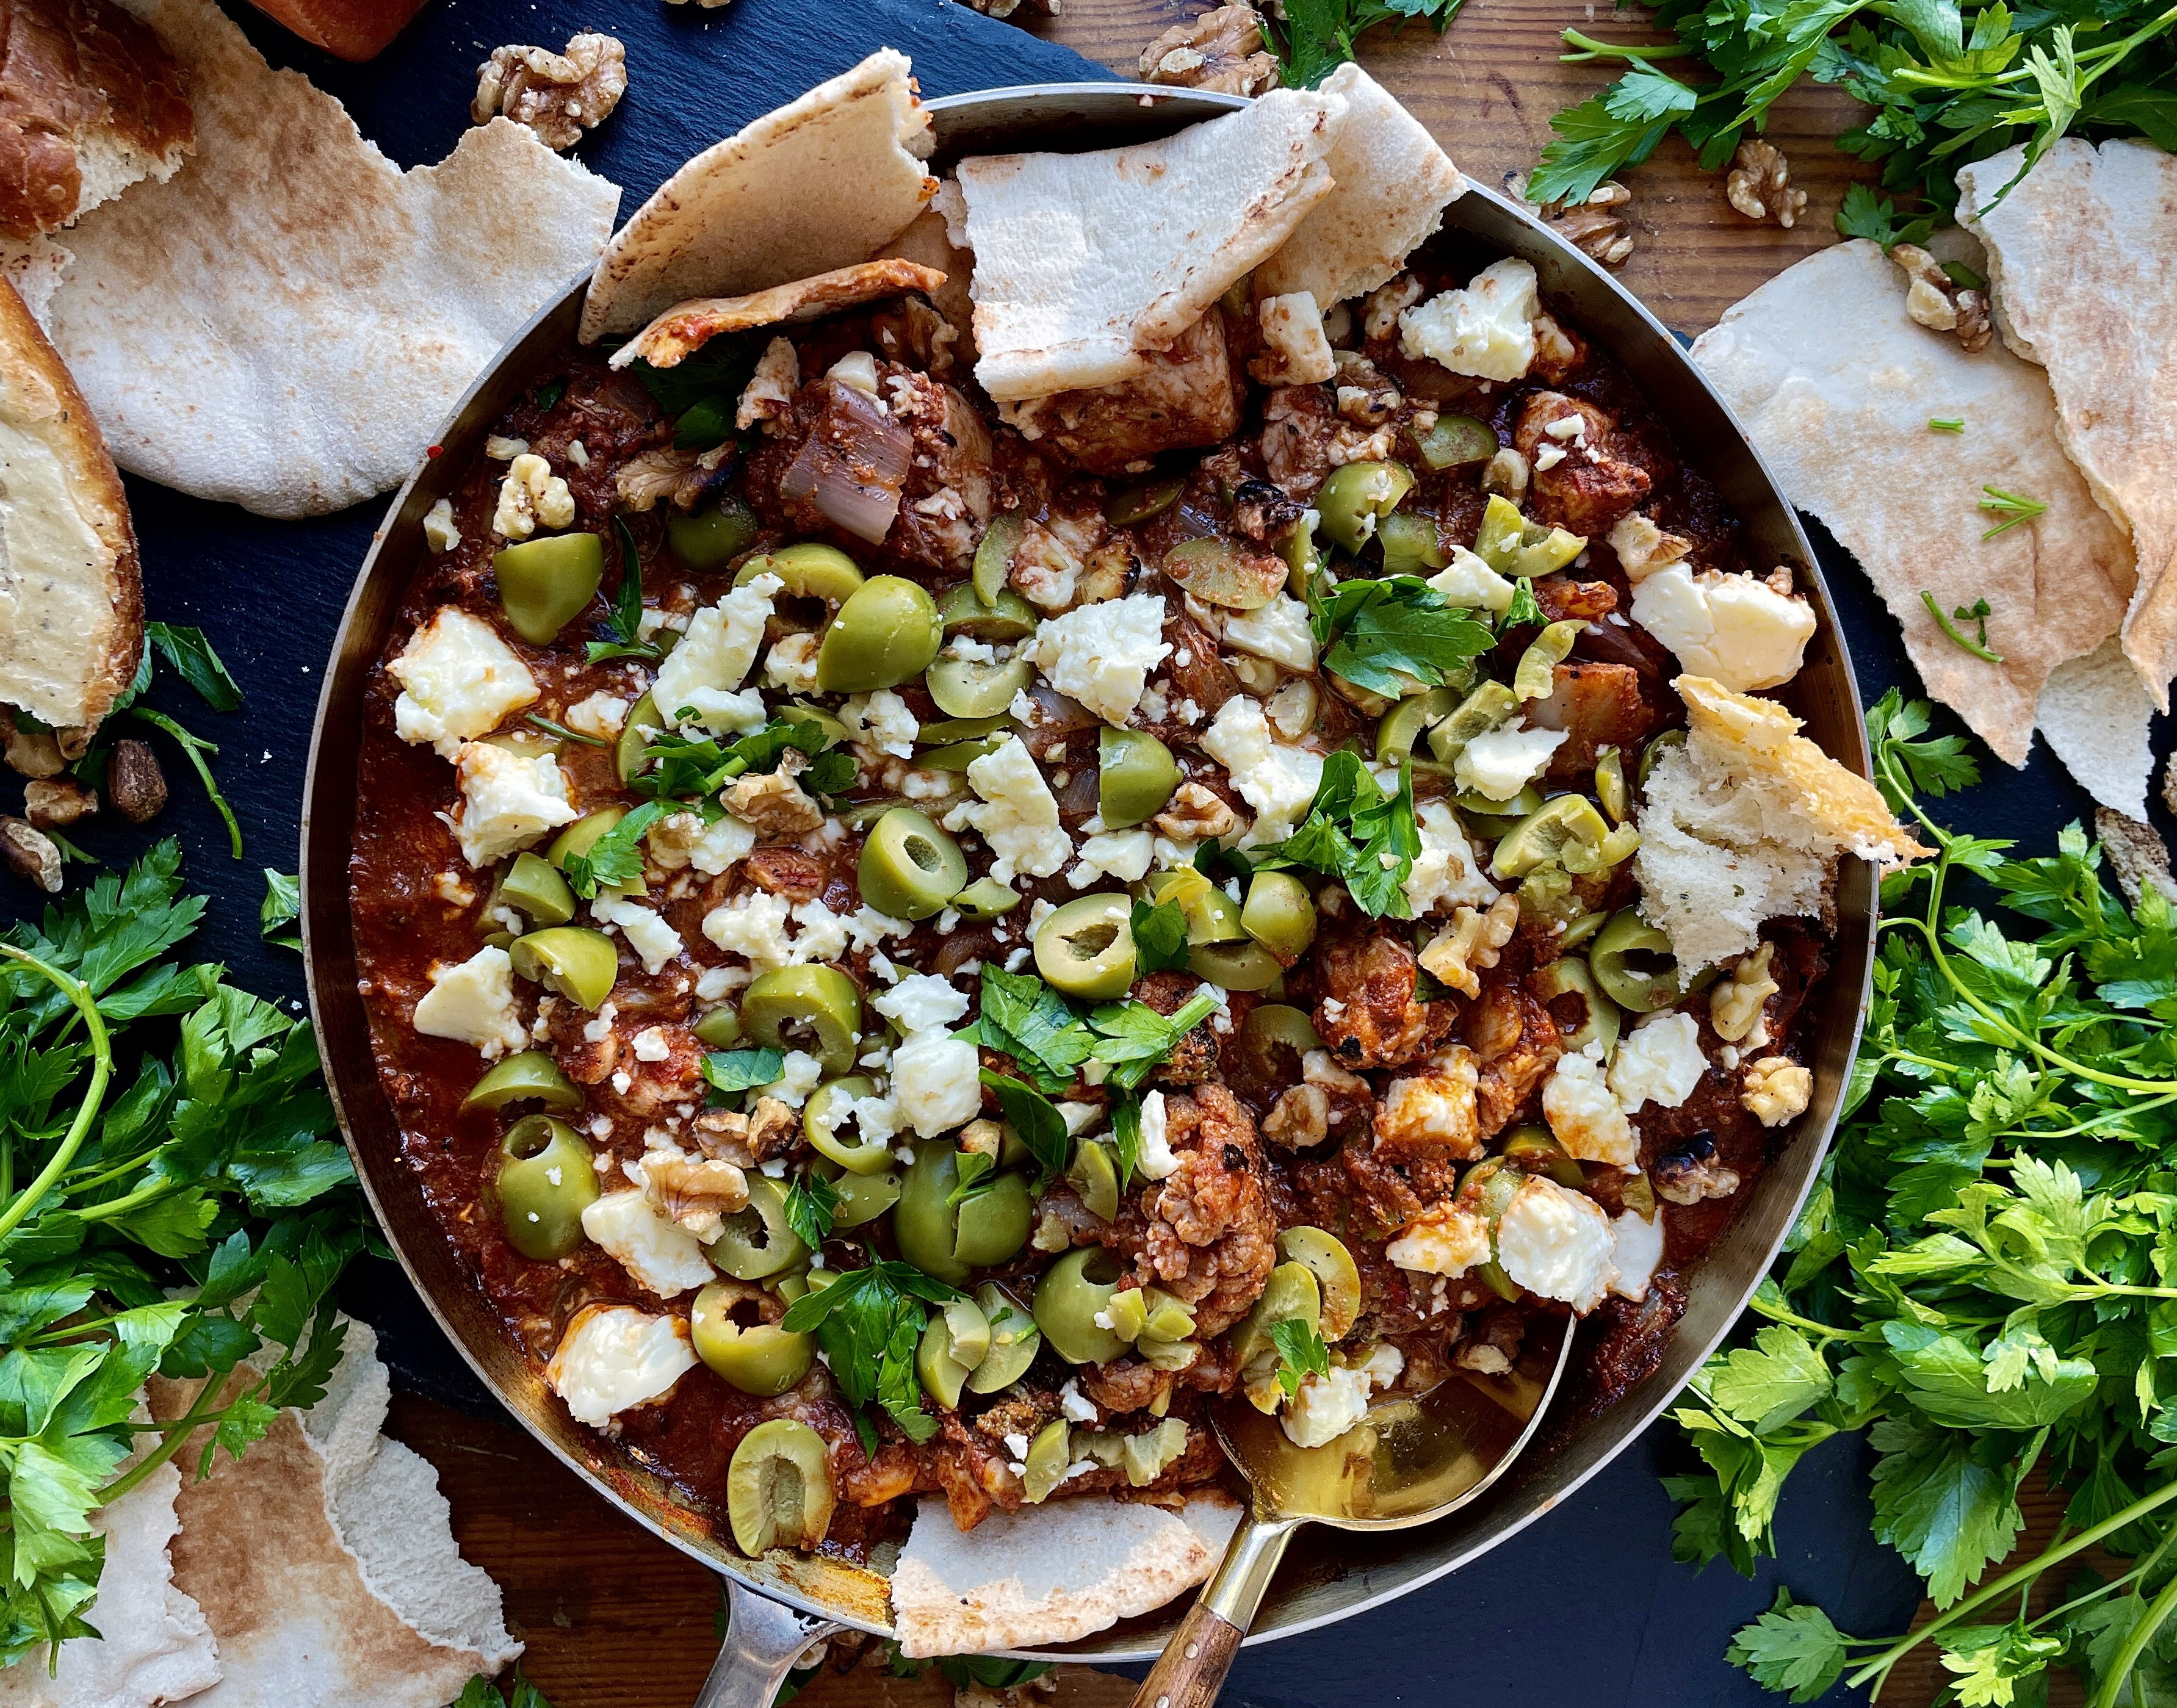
1192 1669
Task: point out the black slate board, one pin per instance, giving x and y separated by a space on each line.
1585 1606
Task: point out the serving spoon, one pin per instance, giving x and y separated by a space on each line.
1409 1461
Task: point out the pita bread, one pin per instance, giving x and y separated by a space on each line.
1048 1573
2094 712
1835 384
286 322
323 1560
2080 260
1393 184
679 333
821 183
71 594
927 242
1085 262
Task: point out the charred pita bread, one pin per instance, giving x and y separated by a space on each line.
1392 185
679 332
1048 1573
1836 384
2080 259
286 321
823 181
1085 262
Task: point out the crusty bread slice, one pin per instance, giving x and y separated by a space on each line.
71 595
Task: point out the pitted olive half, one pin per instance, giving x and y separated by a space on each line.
546 1180
757 1356
946 1240
778 1487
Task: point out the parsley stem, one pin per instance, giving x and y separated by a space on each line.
1945 623
195 747
205 1409
78 993
2142 1633
1592 49
1777 1313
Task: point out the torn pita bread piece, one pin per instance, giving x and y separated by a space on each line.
153 1645
1085 263
1392 185
1835 385
2079 257
1745 821
927 242
679 333
1048 1573
2095 713
71 594
323 1560
286 322
821 183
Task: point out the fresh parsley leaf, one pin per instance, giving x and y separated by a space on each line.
1160 936
1021 1017
1388 635
812 1206
1979 612
1315 37
700 391
976 1170
867 1323
831 773
1866 215
1791 1649
559 732
624 615
281 906
1036 1119
196 662
550 392
1126 1137
734 1071
1771 1383
691 768
1136 1040
1594 142
1356 833
1301 1353
2014 508
614 858
1524 608
193 749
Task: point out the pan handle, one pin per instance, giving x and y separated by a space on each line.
764 1639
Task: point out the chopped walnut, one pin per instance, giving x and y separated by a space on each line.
1472 940
1643 547
558 95
683 477
1196 813
1760 185
134 784
49 802
1383 305
1295 350
1690 1173
1221 50
1299 1118
1938 302
2137 857
530 497
697 1194
1365 398
33 752
774 804
1594 229
1775 1089
32 855
1735 1004
441 531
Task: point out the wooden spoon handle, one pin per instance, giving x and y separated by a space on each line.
1192 1669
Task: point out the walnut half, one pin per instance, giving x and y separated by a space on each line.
558 95
1938 302
1760 185
1221 50
1599 227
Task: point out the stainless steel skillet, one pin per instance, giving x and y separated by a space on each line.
781 1604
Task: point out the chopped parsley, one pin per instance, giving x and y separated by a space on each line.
1524 609
735 1071
1355 832
1978 612
1312 38
1159 935
1301 1353
812 1206
1135 1039
1036 1119
614 858
2012 507
867 1323
1946 423
559 732
1386 635
624 614
281 906
691 769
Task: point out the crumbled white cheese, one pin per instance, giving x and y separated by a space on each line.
661 1255
1434 1110
1500 763
713 660
1101 654
440 532
1556 1243
1278 631
531 496
652 939
458 680
922 1003
684 840
1741 632
1487 329
1296 350
602 715
1328 1406
821 934
649 1044
507 801
1278 781
791 663
769 391
1155 1160
473 1002
1586 1115
1291 709
1444 1239
753 926
934 1079
857 369
1123 855
1659 1062
1468 581
614 1357
799 1075
1073 1405
1636 1250
1017 815
1446 873
881 720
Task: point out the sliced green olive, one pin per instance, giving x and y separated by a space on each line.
1546 897
533 1074
1291 1294
544 583
1219 571
1411 545
1407 721
994 555
758 1358
1488 1188
1456 441
1537 677
533 885
830 1108
946 729
713 537
962 612
583 834
1489 706
834 730
1048 1456
1069 1297
1279 914
969 688
757 1241
1269 1031
1296 546
1567 976
1652 753
986 898
790 1007
1014 1340
1211 916
1146 1456
1536 1147
955 1340
1610 785
948 1240
1135 777
1337 1278
1620 843
994 1223
632 753
958 756
1632 960
909 868
1138 503
1547 833
778 1487
546 1180
1235 966
1086 949
1094 1178
1637 1195
862 1197
719 1029
1512 546
1473 804
573 961
885 633
1357 496
809 571
1579 931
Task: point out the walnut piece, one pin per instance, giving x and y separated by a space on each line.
1221 50
32 855
1594 228
1760 185
1938 302
1472 941
1735 1004
1196 813
558 95
1775 1090
134 784
56 801
34 752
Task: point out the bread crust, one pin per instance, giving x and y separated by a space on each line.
74 686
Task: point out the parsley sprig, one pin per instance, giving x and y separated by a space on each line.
1385 636
1356 832
192 657
1020 1016
614 858
867 1323
2013 507
1315 37
624 615
1301 1353
1978 612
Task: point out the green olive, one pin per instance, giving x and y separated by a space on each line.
719 1029
1135 777
994 555
790 1007
1221 572
517 1079
962 612
1489 706
778 1487
1211 916
1270 1030
632 753
1637 1195
969 688
955 1340
1547 833
1337 1278
1512 546
1455 442
947 1240
1048 1456
713 536
1610 785
583 834
833 1107
1147 1455
573 961
834 730
1069 1297
946 729
544 583
757 1241
1535 1147
1094 1178
1296 546
1579 931
546 1180
758 1358
1014 1340
1411 545
986 898
1652 753
910 869
1569 975
1235 966
1357 496
809 571
533 885
1279 914
1086 949
994 1223
1291 1294
1138 503
1537 676
1633 962
1488 1188
1407 721
885 633
1475 805
862 1197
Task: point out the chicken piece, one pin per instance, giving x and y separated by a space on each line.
1368 1016
1190 396
1516 1041
839 461
1582 482
1211 1237
1299 422
1194 1058
947 502
1195 670
786 871
1597 706
617 1050
1561 599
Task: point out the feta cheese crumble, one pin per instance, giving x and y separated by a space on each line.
1660 1061
1278 782
1585 1113
1017 815
507 801
1278 631
1502 762
1556 1243
661 1255
1486 329
1740 631
1101 654
458 680
614 1357
473 1002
